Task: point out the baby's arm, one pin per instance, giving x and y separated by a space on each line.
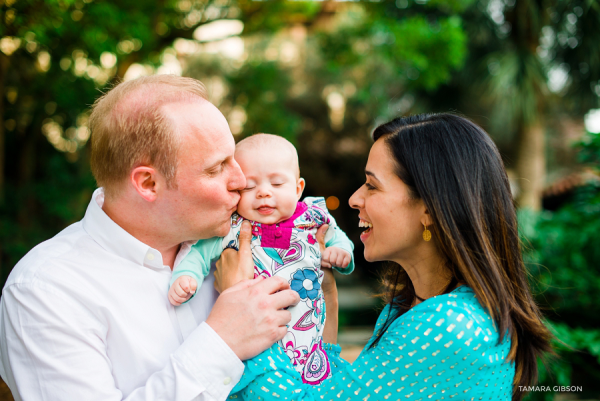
334 256
182 289
189 274
339 251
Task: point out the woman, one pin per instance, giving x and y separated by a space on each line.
460 321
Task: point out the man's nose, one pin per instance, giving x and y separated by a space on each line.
237 181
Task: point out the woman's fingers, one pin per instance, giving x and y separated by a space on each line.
233 266
246 265
321 232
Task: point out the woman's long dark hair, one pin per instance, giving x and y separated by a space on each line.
454 167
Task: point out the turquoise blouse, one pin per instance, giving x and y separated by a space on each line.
446 347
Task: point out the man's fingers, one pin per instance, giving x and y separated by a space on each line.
244 284
281 332
273 284
282 317
285 298
321 236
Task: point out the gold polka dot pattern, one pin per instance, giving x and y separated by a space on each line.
446 348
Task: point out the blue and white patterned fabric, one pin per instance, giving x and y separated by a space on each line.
445 348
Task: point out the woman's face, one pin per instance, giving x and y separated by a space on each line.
393 220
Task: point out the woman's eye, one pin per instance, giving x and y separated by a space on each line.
369 186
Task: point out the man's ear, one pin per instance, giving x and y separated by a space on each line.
300 187
144 180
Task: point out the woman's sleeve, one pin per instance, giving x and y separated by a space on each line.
336 362
432 351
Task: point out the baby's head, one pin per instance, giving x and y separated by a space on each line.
273 183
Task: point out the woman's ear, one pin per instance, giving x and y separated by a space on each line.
426 219
300 187
144 180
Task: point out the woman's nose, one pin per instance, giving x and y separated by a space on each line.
357 200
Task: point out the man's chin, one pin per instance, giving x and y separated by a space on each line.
223 230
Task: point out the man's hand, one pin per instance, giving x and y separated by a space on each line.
182 289
233 266
334 256
250 316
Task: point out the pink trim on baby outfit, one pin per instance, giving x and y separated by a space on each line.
279 235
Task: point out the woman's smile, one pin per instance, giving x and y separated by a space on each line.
365 234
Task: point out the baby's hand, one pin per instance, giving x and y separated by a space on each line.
334 256
181 290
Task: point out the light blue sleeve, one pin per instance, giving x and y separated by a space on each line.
335 236
339 239
442 349
197 263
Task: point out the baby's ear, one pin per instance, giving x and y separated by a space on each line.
300 187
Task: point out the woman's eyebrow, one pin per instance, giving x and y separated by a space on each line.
371 174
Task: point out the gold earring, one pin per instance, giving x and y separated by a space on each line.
426 234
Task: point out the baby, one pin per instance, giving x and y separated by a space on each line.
283 244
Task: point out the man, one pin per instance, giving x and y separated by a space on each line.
85 315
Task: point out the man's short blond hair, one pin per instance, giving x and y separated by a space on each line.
129 128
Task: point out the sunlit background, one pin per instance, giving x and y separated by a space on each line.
323 74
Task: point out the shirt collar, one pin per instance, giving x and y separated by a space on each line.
114 239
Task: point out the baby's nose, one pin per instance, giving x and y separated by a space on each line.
263 193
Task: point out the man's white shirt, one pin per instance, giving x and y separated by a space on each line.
85 316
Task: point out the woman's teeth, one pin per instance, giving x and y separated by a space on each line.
364 223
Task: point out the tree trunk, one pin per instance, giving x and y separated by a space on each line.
531 165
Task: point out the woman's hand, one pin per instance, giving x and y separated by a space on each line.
330 293
233 266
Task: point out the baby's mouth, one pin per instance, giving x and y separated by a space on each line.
266 210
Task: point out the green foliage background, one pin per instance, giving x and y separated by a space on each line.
488 59
564 260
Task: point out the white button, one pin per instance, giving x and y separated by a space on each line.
150 256
227 380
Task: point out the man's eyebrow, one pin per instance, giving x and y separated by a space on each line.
218 162
371 174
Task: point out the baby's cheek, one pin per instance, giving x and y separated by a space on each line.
290 200
244 207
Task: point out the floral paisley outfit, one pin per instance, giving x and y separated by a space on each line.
445 348
288 249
